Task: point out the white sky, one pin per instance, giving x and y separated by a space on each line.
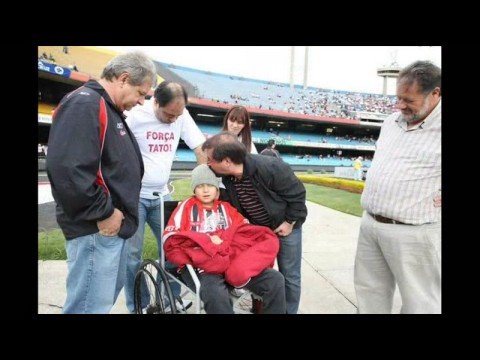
352 68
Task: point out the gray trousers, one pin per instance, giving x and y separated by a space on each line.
269 284
406 255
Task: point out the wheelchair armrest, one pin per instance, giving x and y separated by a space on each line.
194 276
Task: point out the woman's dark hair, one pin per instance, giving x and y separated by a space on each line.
240 114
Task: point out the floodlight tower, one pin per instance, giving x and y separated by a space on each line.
305 69
390 71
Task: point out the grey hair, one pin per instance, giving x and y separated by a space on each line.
138 66
427 75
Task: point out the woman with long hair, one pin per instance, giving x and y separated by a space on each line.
237 121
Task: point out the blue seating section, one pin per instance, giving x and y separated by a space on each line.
279 96
189 156
288 135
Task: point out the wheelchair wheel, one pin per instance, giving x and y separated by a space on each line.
151 285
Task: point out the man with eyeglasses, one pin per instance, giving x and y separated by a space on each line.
158 126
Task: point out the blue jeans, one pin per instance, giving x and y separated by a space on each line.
148 211
289 260
96 273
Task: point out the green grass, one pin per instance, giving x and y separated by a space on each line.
336 199
51 244
181 189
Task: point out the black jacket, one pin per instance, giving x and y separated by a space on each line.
270 152
94 164
279 190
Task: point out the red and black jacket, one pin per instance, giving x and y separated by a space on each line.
94 164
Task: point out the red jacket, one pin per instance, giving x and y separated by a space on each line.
191 215
245 252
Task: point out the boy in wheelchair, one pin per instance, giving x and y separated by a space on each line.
215 238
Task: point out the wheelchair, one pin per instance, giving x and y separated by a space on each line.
152 291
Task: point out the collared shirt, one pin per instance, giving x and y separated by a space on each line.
405 174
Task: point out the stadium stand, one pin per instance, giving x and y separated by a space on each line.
314 128
279 96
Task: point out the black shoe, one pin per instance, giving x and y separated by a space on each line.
257 306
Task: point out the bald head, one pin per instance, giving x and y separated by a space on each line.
170 101
168 91
225 145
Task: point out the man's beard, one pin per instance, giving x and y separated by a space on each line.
420 115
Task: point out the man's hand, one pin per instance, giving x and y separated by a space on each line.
200 155
284 229
111 226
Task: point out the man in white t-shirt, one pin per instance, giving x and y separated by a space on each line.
158 125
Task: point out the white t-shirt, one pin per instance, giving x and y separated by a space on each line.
158 143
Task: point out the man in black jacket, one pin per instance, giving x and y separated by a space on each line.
95 169
267 192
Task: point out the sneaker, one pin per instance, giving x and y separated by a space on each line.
237 292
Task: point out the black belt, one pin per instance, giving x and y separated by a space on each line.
385 220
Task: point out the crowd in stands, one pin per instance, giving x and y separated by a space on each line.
282 136
278 96
320 138
322 103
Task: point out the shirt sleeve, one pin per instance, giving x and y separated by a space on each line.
190 132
